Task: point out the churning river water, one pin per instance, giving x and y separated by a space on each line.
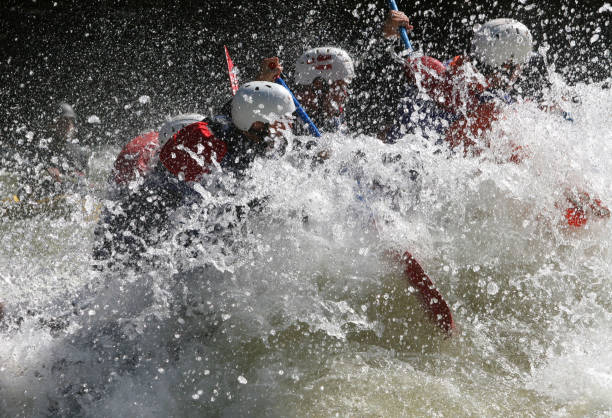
295 310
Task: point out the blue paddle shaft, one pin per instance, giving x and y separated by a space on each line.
402 31
300 110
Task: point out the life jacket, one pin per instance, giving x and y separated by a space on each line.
462 95
193 150
456 86
419 114
429 74
421 108
136 158
479 110
458 104
463 86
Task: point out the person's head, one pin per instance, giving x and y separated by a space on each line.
323 76
262 110
500 48
64 121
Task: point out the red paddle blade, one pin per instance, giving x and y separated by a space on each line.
431 298
583 207
232 72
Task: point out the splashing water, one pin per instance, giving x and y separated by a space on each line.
294 311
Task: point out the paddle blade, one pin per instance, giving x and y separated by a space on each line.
232 72
581 207
431 298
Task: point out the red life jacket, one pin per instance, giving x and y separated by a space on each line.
453 87
191 151
431 75
458 90
136 158
464 86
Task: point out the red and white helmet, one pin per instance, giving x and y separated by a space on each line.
175 124
502 41
331 64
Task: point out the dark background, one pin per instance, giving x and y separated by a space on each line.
102 56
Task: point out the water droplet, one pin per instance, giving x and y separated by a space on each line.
492 288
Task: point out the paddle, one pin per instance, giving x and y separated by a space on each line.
414 274
231 71
300 110
431 299
430 296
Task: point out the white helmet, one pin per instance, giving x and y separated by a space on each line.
175 124
331 64
261 101
501 41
